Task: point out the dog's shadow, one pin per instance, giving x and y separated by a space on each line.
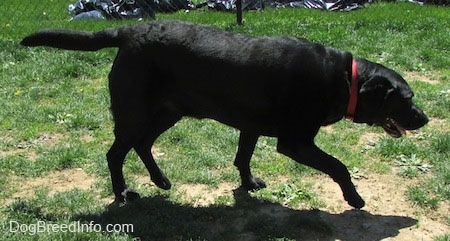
157 218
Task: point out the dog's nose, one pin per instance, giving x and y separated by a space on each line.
420 118
425 119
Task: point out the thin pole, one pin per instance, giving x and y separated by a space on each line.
239 12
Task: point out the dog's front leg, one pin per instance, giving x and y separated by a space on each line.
309 154
247 143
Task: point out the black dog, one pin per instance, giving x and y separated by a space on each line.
273 86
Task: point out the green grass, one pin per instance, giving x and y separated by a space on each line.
443 238
54 115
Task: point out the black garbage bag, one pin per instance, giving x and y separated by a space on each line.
230 5
125 9
434 2
329 5
167 6
110 9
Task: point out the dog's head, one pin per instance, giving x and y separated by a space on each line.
385 99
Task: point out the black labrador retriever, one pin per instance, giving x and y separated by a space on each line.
273 86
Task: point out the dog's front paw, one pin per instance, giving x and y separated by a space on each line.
254 184
162 182
355 200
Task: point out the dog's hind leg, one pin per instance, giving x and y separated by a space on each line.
247 143
116 157
160 124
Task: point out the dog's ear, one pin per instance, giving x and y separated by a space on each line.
377 86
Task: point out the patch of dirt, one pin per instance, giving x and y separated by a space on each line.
50 139
87 138
387 212
415 76
57 181
386 216
26 147
328 128
437 123
384 196
202 195
369 139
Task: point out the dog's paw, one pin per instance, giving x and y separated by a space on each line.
254 184
162 182
355 201
130 195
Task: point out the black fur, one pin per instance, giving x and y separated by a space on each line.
274 86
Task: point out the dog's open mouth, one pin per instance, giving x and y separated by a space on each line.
393 128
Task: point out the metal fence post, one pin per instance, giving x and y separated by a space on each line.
239 12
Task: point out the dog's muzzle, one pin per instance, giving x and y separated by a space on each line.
412 120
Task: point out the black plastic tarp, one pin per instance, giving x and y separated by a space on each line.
125 9
329 5
435 2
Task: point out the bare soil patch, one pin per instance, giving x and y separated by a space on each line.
201 195
384 196
415 76
387 212
58 181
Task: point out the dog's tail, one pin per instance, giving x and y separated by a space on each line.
74 40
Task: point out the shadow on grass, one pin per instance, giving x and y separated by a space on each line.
156 218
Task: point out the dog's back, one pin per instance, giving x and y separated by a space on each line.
165 32
170 34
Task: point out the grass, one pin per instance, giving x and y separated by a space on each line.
54 117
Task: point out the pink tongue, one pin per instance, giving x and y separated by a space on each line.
400 128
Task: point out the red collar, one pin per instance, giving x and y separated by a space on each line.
353 92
